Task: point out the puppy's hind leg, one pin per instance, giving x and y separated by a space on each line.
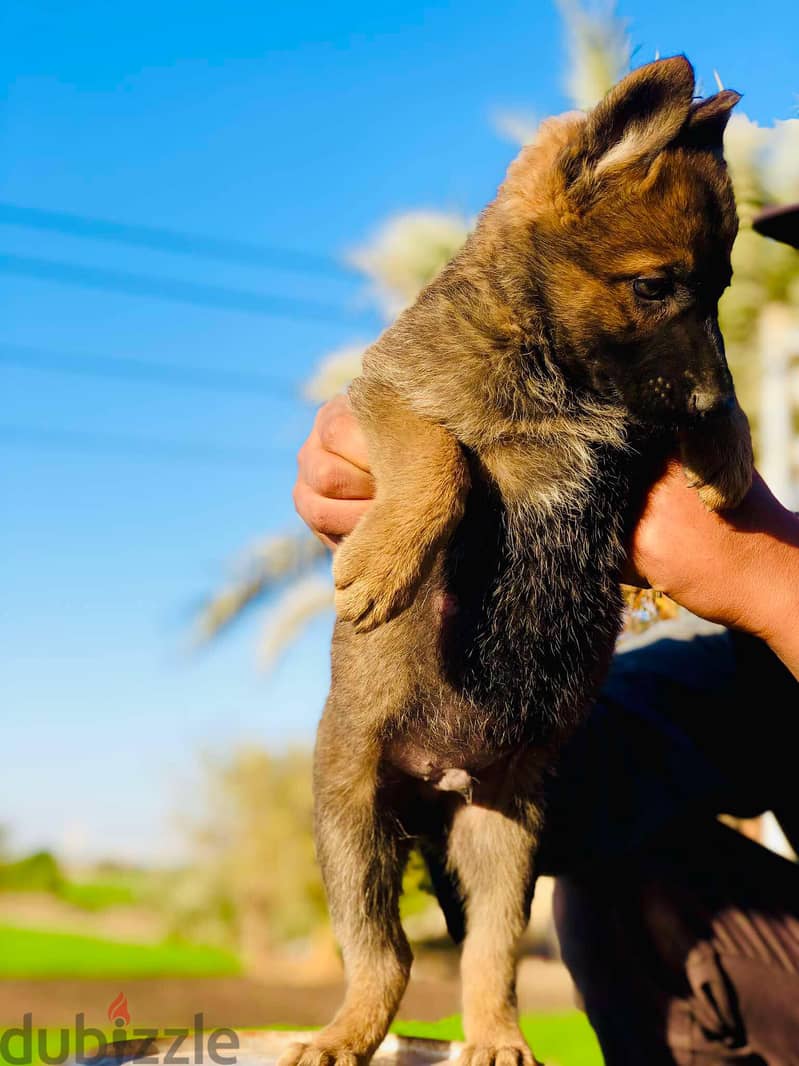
362 855
491 852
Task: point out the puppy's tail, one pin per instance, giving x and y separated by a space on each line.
447 890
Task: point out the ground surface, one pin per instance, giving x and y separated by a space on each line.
55 976
243 1002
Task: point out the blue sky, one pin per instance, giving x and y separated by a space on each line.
294 126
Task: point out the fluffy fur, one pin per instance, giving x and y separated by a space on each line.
478 600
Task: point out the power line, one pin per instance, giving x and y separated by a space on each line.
134 447
177 242
198 294
120 368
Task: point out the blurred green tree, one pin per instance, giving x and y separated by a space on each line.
38 872
253 882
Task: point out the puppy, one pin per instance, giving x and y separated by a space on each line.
478 601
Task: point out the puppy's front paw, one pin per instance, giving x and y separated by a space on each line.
718 461
726 490
375 574
371 586
515 1054
318 1055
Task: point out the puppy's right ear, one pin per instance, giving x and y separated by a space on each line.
708 120
630 125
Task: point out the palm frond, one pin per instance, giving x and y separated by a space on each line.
518 127
263 568
782 175
302 602
406 253
598 48
334 372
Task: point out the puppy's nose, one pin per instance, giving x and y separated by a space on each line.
708 404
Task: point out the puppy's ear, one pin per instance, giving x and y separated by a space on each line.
707 121
634 121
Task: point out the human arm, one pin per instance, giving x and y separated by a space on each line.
739 568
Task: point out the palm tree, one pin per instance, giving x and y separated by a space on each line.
286 573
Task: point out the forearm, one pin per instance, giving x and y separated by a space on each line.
739 568
775 597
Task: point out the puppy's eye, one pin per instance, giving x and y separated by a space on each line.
656 288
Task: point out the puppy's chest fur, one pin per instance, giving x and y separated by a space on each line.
518 619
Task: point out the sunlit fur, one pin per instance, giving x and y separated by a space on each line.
478 600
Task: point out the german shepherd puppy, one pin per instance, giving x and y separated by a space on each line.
478 601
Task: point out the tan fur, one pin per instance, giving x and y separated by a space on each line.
371 583
478 601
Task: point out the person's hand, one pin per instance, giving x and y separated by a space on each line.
334 484
739 568
705 560
679 547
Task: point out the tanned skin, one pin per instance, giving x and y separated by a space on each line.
478 603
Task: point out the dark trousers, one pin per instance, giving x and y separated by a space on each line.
681 935
690 953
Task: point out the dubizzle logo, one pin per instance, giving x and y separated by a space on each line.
118 1012
20 1045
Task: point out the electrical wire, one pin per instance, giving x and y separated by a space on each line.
113 445
121 368
174 290
177 242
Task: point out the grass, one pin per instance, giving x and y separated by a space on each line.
564 1039
98 895
39 953
41 873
